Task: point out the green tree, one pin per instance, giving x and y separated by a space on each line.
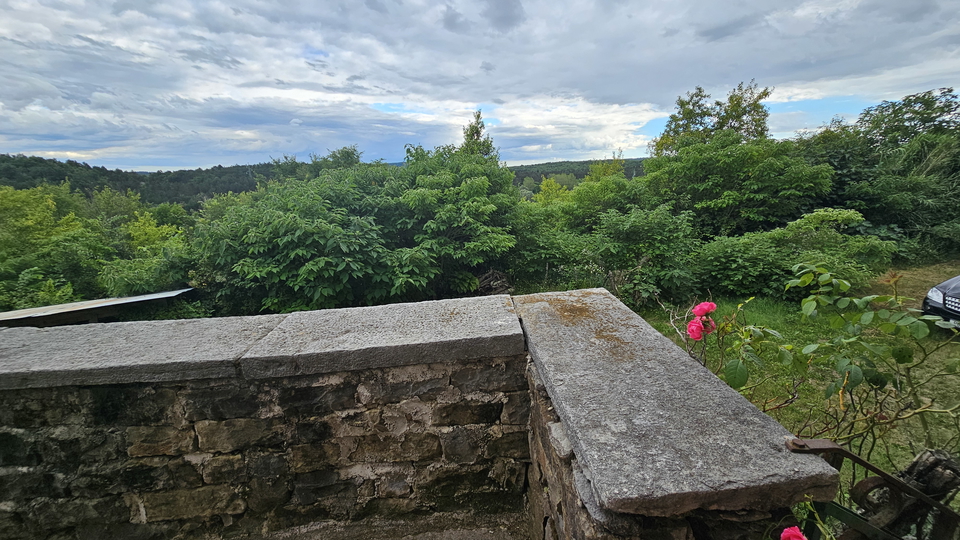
894 123
735 185
567 180
697 120
849 152
156 263
474 139
42 248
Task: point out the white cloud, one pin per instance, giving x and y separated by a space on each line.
190 83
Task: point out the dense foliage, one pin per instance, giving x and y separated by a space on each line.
721 209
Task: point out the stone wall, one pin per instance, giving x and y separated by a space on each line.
364 421
559 415
232 457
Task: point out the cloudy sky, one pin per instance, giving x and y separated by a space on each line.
148 85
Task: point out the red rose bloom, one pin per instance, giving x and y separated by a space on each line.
703 308
695 329
793 533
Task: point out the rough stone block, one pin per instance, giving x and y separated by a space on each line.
12 526
393 485
311 457
228 469
158 441
18 483
71 444
220 402
498 375
383 392
149 474
139 404
516 410
230 435
310 487
656 432
381 509
18 449
202 502
319 400
512 445
391 449
463 444
313 431
467 412
267 494
266 465
383 336
63 513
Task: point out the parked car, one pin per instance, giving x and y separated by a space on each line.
944 300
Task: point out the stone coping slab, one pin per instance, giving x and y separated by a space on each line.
655 432
397 334
143 351
263 346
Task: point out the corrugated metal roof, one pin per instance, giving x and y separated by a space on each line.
87 304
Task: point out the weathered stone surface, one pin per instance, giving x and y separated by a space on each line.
202 502
657 433
463 444
61 513
17 448
311 457
382 336
383 392
266 465
158 441
224 470
393 485
512 445
230 435
220 402
516 410
467 412
25 483
143 351
313 486
319 400
422 526
139 404
503 375
146 474
388 448
267 494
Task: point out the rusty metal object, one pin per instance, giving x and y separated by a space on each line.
888 499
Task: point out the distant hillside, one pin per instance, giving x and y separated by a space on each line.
191 187
631 167
187 187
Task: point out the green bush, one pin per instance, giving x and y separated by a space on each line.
759 263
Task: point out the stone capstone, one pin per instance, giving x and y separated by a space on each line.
656 433
398 334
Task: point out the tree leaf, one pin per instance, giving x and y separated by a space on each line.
735 372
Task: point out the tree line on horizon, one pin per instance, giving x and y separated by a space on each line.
719 207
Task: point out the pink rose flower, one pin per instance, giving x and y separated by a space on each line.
695 329
703 308
793 533
710 326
